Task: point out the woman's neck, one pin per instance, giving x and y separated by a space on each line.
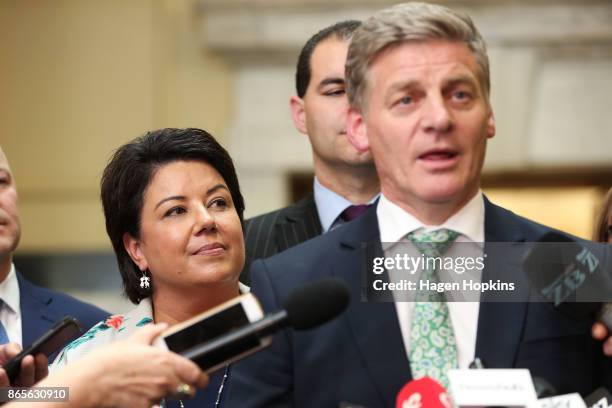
176 306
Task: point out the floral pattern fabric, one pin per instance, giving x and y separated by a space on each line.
114 328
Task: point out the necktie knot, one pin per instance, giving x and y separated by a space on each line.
433 243
353 211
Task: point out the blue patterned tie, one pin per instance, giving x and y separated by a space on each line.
3 335
433 349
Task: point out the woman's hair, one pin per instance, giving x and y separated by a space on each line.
128 174
600 233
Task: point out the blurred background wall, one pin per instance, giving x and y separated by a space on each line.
79 78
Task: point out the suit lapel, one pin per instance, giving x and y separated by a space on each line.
500 324
300 223
374 325
36 315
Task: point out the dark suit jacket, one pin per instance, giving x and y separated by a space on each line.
276 231
360 357
41 307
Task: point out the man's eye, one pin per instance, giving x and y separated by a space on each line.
461 95
174 211
406 100
335 92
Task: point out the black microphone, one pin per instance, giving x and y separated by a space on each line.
306 307
600 398
574 276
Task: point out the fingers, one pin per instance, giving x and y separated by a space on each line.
599 331
41 367
8 351
607 347
26 374
202 380
148 333
4 380
188 372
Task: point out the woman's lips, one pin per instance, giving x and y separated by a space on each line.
211 249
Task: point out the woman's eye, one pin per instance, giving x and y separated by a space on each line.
175 211
218 203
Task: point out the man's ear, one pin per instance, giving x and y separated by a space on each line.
298 114
134 250
356 130
490 124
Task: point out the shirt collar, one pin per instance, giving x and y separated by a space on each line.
330 204
394 223
9 290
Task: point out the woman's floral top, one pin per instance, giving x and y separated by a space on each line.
114 328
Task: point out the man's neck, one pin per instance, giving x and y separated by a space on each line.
5 266
431 213
357 184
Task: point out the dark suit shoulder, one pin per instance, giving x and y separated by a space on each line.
60 304
276 231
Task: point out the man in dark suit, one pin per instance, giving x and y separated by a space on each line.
418 88
344 177
26 310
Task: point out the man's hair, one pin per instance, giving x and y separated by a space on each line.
129 173
342 30
416 22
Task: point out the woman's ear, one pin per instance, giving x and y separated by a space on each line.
134 250
356 131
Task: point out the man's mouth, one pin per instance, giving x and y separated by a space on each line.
436 155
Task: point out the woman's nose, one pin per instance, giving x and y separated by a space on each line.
205 221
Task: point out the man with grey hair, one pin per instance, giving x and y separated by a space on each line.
418 88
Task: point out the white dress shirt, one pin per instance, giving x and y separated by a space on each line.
10 311
395 223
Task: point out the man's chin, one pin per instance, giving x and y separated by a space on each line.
8 244
360 160
445 194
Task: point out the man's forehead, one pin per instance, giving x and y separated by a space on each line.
332 49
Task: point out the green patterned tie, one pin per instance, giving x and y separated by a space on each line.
433 350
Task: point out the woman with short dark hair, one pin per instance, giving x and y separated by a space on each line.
173 211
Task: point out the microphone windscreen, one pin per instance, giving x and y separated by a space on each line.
424 392
316 303
551 266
